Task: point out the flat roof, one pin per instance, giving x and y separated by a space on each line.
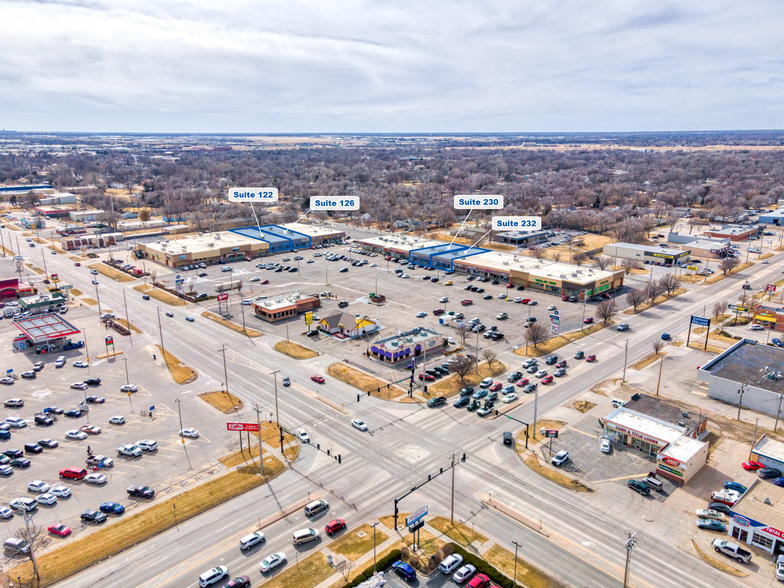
749 362
400 242
400 339
313 230
643 425
283 300
683 448
443 248
708 244
770 448
657 408
44 327
762 502
731 230
521 234
254 233
460 253
199 244
650 248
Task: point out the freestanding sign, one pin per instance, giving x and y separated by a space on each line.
415 516
702 322
222 297
698 320
242 427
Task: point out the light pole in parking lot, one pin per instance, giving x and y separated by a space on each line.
182 438
374 545
98 297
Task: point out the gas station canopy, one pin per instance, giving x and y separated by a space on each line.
45 327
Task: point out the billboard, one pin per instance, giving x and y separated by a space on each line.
222 297
415 516
242 427
549 433
698 320
308 318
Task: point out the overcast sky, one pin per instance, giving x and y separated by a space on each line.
390 66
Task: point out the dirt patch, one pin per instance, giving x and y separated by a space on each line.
223 401
134 529
459 533
128 325
358 542
646 361
701 347
75 292
361 380
295 350
89 301
527 575
452 384
659 300
583 405
556 343
159 295
718 564
182 374
110 272
233 326
532 461
389 520
692 278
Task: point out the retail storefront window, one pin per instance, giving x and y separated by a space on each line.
760 540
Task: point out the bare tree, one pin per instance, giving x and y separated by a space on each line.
535 334
657 344
670 283
239 285
191 288
717 312
557 256
36 537
724 305
462 366
635 298
629 264
345 567
489 355
579 259
153 275
602 262
606 310
729 263
652 291
463 331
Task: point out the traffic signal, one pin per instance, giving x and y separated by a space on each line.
338 458
357 397
425 389
464 457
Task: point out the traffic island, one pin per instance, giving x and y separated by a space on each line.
554 343
230 325
110 272
128 325
223 401
363 381
295 350
159 295
458 532
181 373
451 385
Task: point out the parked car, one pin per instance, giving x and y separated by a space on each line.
639 487
767 473
560 458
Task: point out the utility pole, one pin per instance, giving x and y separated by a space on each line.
740 402
127 322
277 414
778 412
753 438
630 544
258 422
514 578
452 510
477 353
625 356
374 545
182 439
98 297
128 383
536 406
661 363
46 272
160 329
225 372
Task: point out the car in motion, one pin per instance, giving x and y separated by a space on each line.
190 433
141 492
359 424
249 541
213 576
272 561
302 435
318 379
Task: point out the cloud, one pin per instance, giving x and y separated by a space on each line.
389 66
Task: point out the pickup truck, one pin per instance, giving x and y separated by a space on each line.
732 550
73 345
129 450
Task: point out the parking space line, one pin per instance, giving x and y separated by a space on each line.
584 433
621 478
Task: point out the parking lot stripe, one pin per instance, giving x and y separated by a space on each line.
584 433
621 478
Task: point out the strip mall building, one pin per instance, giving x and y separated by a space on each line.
559 278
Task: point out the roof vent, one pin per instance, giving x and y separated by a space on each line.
684 414
767 501
682 423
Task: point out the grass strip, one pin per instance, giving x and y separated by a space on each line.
659 300
528 575
646 361
302 573
389 520
128 325
159 295
459 533
223 401
361 380
181 373
129 531
451 385
533 462
555 343
89 301
295 350
718 564
720 276
358 542
233 326
246 456
110 272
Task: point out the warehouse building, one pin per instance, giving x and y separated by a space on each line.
285 306
708 248
769 453
82 216
731 232
520 237
646 253
59 198
758 517
755 368
772 217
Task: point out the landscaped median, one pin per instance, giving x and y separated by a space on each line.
131 530
233 326
363 381
720 276
112 273
181 373
555 343
295 350
451 385
159 295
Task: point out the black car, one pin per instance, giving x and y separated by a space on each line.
33 448
93 516
473 405
719 506
638 486
461 402
520 288
53 410
93 381
48 443
96 399
73 413
20 462
4 434
12 453
43 420
579 355
766 473
467 391
342 304
508 439
436 401
551 360
514 376
141 491
496 336
145 296
441 370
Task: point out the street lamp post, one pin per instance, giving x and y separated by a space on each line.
182 438
625 356
277 414
516 544
374 545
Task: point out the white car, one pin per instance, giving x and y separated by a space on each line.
511 397
421 314
147 445
17 422
463 573
81 364
358 424
60 491
48 499
95 478
24 504
560 458
38 486
79 386
606 446
302 435
117 420
213 576
129 388
443 299
251 540
6 513
533 303
74 434
552 307
757 328
272 561
541 373
450 563
192 433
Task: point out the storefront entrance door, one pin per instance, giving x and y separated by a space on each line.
740 534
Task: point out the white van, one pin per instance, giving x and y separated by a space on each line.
15 545
305 536
487 382
316 507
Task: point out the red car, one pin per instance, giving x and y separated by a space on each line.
77 264
589 320
60 530
466 302
561 364
387 259
565 298
335 526
426 377
547 379
264 282
752 465
319 379
606 296
590 358
522 381
479 581
510 285
525 301
438 311
496 387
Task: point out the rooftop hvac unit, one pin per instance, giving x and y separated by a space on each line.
684 414
506 263
682 423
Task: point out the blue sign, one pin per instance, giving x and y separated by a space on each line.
698 320
152 408
416 516
9 371
555 312
555 318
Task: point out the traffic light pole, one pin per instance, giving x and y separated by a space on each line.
522 423
430 478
